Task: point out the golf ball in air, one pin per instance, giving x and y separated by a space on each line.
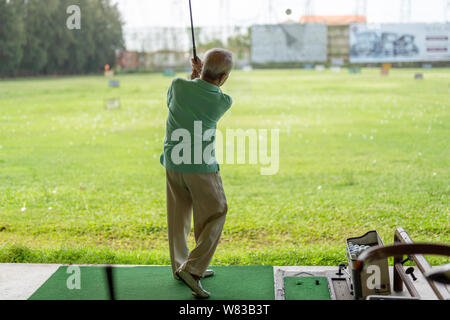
288 12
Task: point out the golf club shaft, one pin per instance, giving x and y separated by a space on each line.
193 34
109 278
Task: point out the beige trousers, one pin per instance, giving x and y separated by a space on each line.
202 194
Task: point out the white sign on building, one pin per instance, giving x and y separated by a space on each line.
287 43
406 42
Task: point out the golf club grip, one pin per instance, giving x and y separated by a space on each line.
193 33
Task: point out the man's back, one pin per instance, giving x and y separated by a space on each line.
195 107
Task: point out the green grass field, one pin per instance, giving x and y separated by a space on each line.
80 184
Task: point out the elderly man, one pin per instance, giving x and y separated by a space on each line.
192 172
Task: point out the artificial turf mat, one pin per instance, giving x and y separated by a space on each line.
157 283
306 288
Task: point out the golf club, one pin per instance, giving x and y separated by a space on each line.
193 34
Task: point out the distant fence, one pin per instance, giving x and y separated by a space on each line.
161 48
290 45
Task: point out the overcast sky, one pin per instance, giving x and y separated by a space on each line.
146 13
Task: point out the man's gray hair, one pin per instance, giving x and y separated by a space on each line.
217 62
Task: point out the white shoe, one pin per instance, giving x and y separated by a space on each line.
193 284
208 273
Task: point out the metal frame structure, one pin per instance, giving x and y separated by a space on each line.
401 236
403 245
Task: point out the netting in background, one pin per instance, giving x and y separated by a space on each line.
260 33
162 48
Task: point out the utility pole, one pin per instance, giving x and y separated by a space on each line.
270 13
405 11
309 7
361 8
222 22
447 11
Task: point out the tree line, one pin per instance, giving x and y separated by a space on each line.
35 38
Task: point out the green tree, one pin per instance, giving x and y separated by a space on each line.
107 33
12 36
82 44
240 44
59 39
38 17
207 45
101 34
34 37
